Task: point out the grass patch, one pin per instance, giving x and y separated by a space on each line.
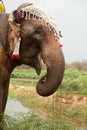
26 73
12 93
79 114
34 122
74 82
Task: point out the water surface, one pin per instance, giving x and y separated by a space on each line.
15 107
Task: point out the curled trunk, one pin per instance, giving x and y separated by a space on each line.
53 57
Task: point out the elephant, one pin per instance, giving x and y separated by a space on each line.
39 41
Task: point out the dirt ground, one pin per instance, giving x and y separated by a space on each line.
64 99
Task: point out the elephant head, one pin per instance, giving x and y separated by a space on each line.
39 42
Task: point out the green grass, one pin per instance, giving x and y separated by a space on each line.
12 92
79 114
74 82
26 73
34 122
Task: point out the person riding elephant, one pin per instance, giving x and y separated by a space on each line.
31 35
2 7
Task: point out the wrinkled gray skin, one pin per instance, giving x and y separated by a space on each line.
36 43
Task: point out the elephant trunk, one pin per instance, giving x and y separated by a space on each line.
53 58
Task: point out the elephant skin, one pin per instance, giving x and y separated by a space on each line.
37 44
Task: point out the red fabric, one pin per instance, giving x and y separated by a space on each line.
60 45
15 56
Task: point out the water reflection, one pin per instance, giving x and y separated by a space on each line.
15 107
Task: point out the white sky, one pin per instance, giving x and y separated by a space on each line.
71 18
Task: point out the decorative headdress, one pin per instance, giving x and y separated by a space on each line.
35 13
31 12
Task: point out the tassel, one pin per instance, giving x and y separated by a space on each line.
15 54
61 45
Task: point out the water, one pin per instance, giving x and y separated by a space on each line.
15 107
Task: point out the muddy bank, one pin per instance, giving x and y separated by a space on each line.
65 99
72 100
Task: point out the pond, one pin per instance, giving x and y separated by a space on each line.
15 107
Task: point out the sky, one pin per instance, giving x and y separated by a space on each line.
70 17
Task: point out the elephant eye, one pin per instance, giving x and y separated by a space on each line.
38 34
38 31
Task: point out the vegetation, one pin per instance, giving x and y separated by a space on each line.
26 74
33 122
61 115
56 115
74 81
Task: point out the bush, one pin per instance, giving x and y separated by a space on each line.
74 81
